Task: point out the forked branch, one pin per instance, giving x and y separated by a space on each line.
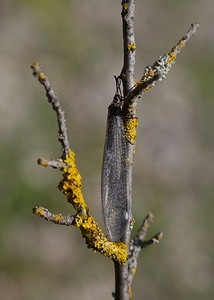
118 159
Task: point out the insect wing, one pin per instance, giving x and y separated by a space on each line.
114 192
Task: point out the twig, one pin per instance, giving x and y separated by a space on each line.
90 231
70 185
129 46
54 100
140 236
138 243
54 163
155 73
154 240
164 64
55 218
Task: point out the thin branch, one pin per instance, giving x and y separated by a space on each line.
90 230
164 64
55 218
140 236
129 46
127 77
71 186
135 93
56 164
155 73
154 240
138 243
54 100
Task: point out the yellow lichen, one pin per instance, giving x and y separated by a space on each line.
34 64
57 217
42 162
130 292
171 57
130 125
38 211
71 185
132 46
148 87
149 73
132 222
133 270
95 239
182 43
41 75
125 6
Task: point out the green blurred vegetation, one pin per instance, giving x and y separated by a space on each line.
79 47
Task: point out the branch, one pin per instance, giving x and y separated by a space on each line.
127 76
55 218
138 243
90 231
164 64
71 187
54 100
155 73
122 112
129 46
54 163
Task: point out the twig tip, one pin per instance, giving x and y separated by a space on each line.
42 162
156 239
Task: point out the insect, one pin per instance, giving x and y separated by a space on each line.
115 175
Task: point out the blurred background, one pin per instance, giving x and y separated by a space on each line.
79 47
